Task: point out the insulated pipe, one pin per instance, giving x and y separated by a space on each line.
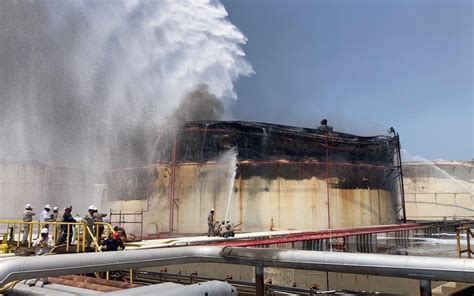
145 290
210 288
19 268
414 267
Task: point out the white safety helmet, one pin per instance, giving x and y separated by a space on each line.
28 207
92 208
69 207
55 208
44 230
212 210
47 207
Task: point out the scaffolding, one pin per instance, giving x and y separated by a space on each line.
124 218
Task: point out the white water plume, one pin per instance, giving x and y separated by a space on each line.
230 159
75 75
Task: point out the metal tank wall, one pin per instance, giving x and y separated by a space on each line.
38 184
295 178
255 202
291 204
439 190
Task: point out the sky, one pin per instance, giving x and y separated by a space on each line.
365 66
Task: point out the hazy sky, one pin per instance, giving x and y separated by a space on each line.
364 65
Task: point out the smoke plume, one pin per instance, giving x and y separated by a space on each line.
200 104
80 80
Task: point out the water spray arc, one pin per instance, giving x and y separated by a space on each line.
79 86
231 155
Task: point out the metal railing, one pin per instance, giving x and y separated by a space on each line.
83 233
469 235
77 233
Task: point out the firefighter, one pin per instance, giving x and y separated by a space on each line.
98 219
216 228
27 217
59 227
55 214
230 229
121 231
44 243
42 246
67 218
113 243
46 216
89 219
223 229
210 223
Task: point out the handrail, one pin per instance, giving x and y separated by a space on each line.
82 231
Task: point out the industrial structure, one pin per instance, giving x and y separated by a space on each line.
307 203
285 178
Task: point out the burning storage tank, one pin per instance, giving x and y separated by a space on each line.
265 176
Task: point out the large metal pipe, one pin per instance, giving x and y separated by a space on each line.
210 288
19 268
207 288
414 267
429 268
145 290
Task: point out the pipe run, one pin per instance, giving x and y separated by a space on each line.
414 267
20 268
207 288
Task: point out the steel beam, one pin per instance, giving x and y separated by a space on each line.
327 234
425 288
259 281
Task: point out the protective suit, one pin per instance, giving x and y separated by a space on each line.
27 217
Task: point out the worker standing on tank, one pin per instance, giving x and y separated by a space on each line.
67 218
46 216
42 246
27 217
210 223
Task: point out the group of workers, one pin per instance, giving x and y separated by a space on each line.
44 243
216 228
93 219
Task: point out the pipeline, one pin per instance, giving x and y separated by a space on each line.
414 267
20 268
152 289
207 288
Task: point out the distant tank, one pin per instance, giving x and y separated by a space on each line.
437 190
